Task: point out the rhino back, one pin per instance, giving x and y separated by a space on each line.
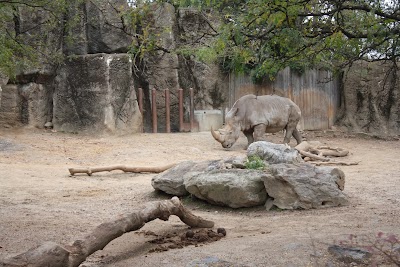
272 110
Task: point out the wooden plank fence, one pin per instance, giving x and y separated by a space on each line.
316 92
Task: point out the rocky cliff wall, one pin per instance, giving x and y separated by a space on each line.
370 99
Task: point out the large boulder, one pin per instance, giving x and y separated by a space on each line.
235 188
274 153
10 105
96 93
97 27
37 104
30 101
172 180
107 31
370 98
305 186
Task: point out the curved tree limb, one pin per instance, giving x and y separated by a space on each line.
317 151
334 163
52 254
312 156
89 171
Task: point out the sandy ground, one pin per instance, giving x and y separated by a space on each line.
40 201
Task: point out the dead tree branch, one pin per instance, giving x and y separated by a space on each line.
319 154
89 171
335 163
55 255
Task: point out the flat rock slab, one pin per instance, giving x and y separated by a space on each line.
171 181
349 254
235 188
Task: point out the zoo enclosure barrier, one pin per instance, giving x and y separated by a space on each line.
191 126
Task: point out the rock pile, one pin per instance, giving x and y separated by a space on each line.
286 181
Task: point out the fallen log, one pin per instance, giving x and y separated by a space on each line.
334 163
312 156
317 151
55 255
89 171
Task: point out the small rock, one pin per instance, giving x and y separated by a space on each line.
189 234
221 231
349 255
48 125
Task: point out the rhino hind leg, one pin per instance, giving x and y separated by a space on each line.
292 131
296 134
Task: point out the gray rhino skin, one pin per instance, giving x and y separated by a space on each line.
257 115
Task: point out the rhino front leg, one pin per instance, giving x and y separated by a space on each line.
259 132
249 135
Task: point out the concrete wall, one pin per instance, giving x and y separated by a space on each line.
208 119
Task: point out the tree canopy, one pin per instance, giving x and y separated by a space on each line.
260 37
264 36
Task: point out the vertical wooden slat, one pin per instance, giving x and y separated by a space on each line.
167 112
191 109
180 99
140 102
154 109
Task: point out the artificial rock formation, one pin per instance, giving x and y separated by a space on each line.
96 93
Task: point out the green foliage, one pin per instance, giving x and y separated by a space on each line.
261 37
255 163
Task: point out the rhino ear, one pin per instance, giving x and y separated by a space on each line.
232 112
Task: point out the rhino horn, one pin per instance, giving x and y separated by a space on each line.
216 135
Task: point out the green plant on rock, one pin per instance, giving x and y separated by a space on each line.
255 163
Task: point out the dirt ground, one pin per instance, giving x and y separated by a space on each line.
40 201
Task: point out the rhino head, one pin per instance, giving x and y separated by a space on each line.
227 135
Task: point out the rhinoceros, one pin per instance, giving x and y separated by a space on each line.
256 115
